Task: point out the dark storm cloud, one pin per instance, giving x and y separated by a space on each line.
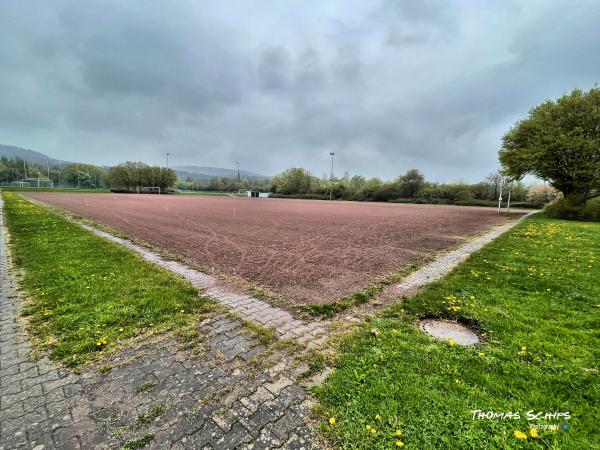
388 86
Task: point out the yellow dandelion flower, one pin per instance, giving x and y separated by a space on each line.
481 353
520 435
533 432
332 420
368 427
373 431
399 444
451 342
398 433
377 417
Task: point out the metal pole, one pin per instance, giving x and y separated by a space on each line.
238 176
500 197
508 204
168 159
331 177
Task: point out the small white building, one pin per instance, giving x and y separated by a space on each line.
256 194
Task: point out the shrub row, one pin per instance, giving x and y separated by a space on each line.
429 201
567 209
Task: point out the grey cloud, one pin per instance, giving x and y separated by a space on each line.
388 86
274 69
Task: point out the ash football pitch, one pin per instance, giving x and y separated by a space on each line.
306 251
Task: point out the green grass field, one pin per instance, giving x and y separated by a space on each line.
86 294
534 295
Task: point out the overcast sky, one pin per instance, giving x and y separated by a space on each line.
387 85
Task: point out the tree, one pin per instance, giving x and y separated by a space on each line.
494 181
541 194
83 175
559 142
411 183
292 181
129 175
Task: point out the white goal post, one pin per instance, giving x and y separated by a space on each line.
147 189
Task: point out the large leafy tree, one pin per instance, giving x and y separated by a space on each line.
411 183
293 181
559 142
129 175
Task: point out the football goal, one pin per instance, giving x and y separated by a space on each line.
20 184
147 190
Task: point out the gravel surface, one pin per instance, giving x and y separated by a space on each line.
307 251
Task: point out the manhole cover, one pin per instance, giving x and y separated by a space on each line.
447 329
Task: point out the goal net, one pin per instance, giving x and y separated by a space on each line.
147 190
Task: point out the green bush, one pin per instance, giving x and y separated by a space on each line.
464 197
591 210
565 208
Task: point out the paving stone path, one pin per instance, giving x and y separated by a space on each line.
232 392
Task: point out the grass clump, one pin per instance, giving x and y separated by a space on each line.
145 387
104 369
88 295
264 335
315 360
290 346
139 442
145 419
533 294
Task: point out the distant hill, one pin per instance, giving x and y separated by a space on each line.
207 173
30 156
183 172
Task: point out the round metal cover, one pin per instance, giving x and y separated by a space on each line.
448 329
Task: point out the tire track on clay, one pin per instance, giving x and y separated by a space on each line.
310 251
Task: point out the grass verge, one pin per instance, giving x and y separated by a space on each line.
533 295
86 294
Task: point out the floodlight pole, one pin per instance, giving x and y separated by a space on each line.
508 204
238 175
168 159
332 154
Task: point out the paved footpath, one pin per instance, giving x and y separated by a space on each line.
231 393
